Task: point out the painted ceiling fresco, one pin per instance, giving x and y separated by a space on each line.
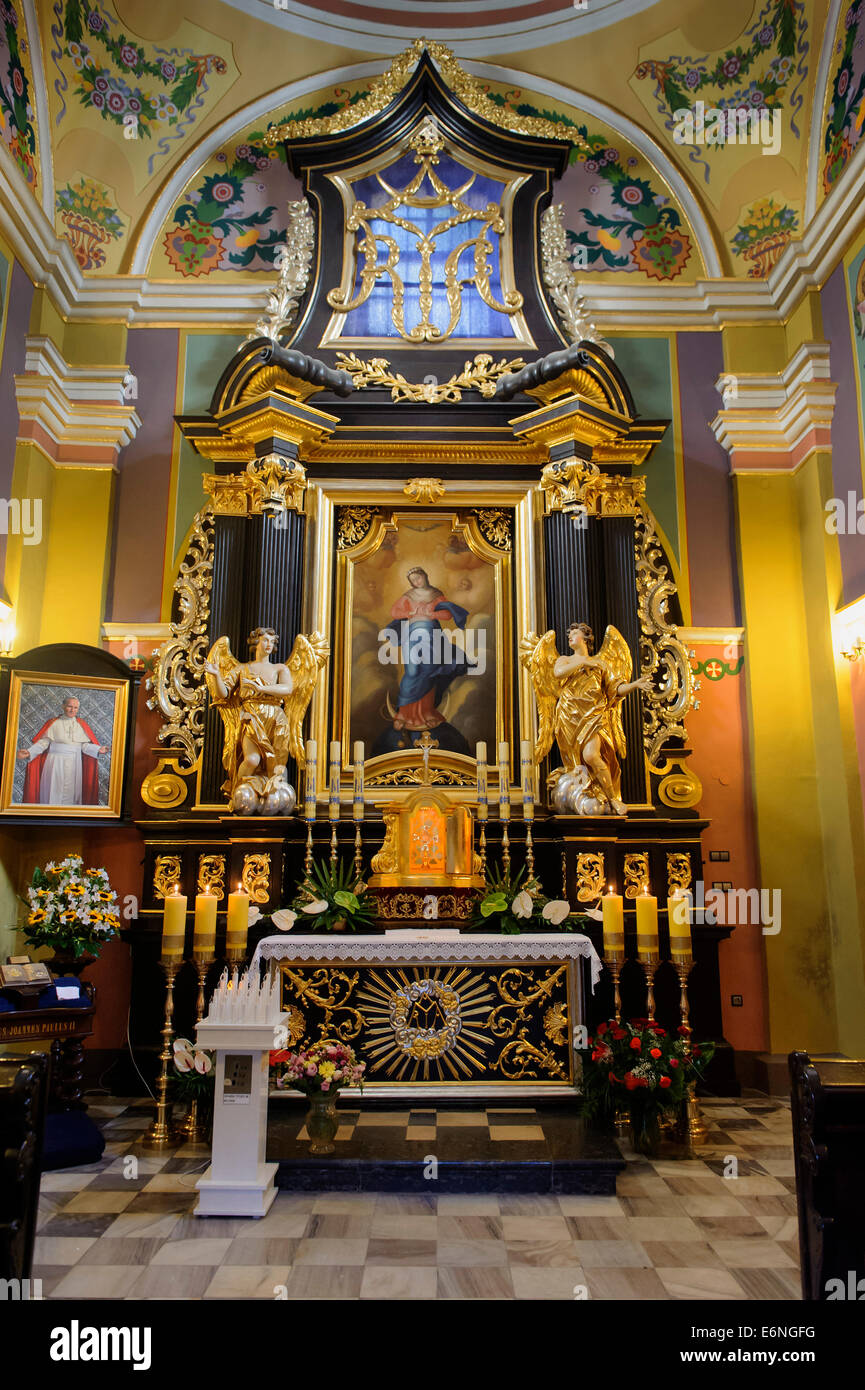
126 109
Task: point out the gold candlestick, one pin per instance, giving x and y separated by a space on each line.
334 846
307 861
358 853
614 963
190 1128
161 1134
692 1126
482 848
649 962
530 851
506 849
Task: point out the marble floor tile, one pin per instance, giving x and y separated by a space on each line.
604 1254
165 1203
542 1253
339 1225
529 1204
769 1283
65 1181
143 1224
465 1282
535 1228
100 1202
652 1206
276 1223
204 1251
330 1252
779 1167
731 1227
713 1204
404 1227
326 1281
243 1281
60 1250
578 1204
641 1228
752 1254
470 1204
780 1228
406 1203
630 1284
403 1282
171 1182
390 1251
174 1281
672 1254
99 1281
469 1228
272 1250
471 1252
450 1119
547 1282
50 1276
687 1282
341 1203
759 1187
77 1224
391 1118
598 1227
123 1251
517 1133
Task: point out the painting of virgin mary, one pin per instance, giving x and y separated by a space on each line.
431 665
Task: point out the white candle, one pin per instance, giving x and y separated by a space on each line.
333 801
357 803
483 799
526 780
504 782
311 756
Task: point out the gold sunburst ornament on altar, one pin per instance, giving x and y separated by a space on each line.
428 1026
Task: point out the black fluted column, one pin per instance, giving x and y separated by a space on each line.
591 578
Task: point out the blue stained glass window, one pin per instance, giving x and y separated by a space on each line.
372 319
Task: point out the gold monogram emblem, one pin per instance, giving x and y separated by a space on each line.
425 1017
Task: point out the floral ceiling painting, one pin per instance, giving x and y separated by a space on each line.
764 69
147 93
845 106
17 117
88 219
765 230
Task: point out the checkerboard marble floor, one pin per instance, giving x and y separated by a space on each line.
675 1229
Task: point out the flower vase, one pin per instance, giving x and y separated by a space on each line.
64 963
322 1122
645 1132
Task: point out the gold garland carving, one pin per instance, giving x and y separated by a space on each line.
481 374
330 990
663 657
556 1024
678 872
519 991
392 81
255 877
425 491
494 524
521 1058
636 873
293 261
211 875
386 859
353 524
562 283
404 905
413 777
590 877
167 872
178 685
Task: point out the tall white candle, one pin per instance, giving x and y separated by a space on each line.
483 798
333 801
504 782
311 772
526 780
357 802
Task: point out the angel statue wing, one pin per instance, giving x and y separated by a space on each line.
615 654
539 656
308 656
229 706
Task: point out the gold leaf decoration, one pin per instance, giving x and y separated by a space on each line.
481 374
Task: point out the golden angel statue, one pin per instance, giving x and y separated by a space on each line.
262 704
579 705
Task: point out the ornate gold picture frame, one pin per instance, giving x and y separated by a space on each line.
65 746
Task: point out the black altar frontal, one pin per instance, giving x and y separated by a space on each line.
422 469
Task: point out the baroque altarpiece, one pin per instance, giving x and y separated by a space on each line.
424 421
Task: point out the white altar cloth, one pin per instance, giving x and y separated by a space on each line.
471 946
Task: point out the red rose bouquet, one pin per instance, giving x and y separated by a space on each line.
640 1067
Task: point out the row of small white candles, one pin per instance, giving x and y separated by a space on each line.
678 919
504 768
243 998
204 930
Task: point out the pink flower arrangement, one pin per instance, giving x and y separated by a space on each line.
324 1066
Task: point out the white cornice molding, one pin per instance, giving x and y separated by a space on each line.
712 636
778 412
143 633
79 408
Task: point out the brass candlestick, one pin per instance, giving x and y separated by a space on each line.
358 853
614 963
693 1127
161 1134
649 962
506 849
307 862
530 850
482 847
334 846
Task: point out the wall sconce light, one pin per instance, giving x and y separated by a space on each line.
849 626
7 628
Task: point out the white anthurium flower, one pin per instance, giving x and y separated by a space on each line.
183 1061
316 906
595 913
556 912
182 1045
254 914
284 919
522 904
203 1063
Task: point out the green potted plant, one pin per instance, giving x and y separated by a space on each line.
331 898
515 904
72 911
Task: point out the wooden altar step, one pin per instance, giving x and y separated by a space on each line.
446 1147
